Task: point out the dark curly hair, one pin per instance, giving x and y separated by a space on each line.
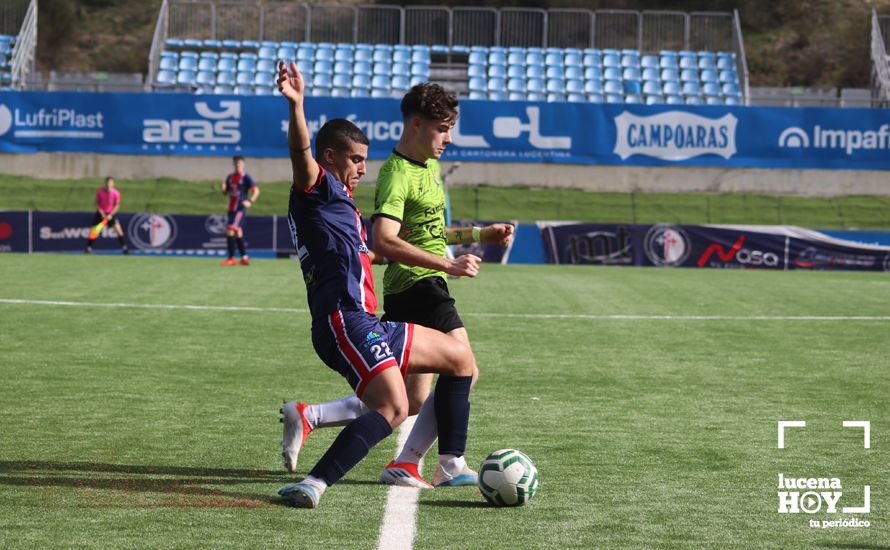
430 101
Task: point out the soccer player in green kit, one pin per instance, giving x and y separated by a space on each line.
409 230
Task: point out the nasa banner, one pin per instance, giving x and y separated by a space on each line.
486 131
714 246
149 233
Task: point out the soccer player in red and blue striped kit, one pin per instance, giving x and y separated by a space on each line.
237 186
372 355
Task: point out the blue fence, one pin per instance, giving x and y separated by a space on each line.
574 133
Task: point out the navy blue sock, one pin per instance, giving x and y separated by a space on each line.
452 406
230 244
351 446
240 242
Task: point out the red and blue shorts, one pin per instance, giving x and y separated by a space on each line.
360 346
236 218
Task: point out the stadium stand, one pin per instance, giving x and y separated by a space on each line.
18 41
614 56
880 77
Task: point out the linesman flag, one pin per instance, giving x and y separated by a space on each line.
96 229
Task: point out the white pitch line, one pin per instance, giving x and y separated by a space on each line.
575 316
400 514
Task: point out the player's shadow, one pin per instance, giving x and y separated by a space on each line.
455 503
188 485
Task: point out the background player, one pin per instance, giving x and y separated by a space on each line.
336 263
108 202
237 186
410 231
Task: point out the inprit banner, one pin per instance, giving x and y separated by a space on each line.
721 246
489 131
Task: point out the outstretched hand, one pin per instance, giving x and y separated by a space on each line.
290 82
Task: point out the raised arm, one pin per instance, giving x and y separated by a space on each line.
291 86
496 233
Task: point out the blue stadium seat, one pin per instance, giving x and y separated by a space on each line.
266 53
630 61
226 78
688 63
168 64
421 70
305 67
193 43
728 77
553 60
477 84
246 65
515 71
612 98
497 96
707 54
516 58
340 92
401 83
166 77
383 68
649 62
220 89
711 89
651 75
360 92
343 54
651 88
361 67
231 44
668 63
555 97
321 81
667 54
341 81
689 75
478 58
576 98
687 53
591 51
536 96
305 54
536 85
572 59
186 77
267 66
245 79
497 58
516 85
250 44
517 96
612 52
694 100
731 89
497 71
174 43
460 49
574 72
613 87
323 67
250 56
709 75
321 92
596 98
556 86
691 89
592 60
612 73
670 75
671 88
324 54
724 63
403 69
632 98
714 100
611 61
631 73
593 87
204 64
707 63
340 67
731 100
674 100
534 71
401 56
205 78
264 80
631 52
476 94
363 55
534 58
415 80
380 82
361 81
554 71
574 86
497 85
593 73
188 64
654 100
631 87
189 55
475 70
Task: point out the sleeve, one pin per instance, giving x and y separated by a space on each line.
390 194
248 181
321 189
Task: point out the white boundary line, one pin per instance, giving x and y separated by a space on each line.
400 515
577 316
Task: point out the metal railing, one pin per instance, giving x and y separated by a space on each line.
459 25
880 73
157 45
741 60
25 47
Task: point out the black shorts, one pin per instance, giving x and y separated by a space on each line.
97 217
426 303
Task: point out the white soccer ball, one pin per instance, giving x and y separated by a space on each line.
508 478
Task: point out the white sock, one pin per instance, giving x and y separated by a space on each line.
335 413
452 464
319 484
423 434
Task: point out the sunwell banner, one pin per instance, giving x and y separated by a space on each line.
488 131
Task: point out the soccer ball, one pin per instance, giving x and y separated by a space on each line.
508 478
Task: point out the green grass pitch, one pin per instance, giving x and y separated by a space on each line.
647 398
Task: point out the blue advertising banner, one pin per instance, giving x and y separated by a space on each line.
15 230
489 131
720 246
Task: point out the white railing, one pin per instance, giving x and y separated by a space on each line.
880 67
25 47
157 45
738 43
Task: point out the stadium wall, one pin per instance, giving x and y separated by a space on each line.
816 183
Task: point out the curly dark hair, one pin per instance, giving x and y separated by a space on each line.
430 101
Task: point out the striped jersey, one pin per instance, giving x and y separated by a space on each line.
330 238
237 187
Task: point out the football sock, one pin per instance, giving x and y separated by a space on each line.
230 243
452 464
351 446
452 405
90 243
241 248
338 412
120 239
318 484
423 434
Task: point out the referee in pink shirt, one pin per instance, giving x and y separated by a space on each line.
108 201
